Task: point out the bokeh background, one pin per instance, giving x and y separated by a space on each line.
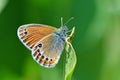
96 40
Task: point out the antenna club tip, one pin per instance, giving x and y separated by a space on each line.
72 17
61 18
66 22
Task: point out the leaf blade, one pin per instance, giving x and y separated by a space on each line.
71 59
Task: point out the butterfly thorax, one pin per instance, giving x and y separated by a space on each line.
62 32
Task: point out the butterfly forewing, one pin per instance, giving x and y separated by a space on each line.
48 50
30 34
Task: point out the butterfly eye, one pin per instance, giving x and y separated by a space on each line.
64 30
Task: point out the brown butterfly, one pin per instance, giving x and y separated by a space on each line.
45 42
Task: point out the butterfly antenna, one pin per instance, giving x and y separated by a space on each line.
69 20
61 21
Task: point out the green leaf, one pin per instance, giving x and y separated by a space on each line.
70 58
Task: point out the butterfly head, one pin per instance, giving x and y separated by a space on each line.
64 28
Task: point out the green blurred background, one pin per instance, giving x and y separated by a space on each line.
96 40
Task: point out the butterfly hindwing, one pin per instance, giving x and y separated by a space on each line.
48 50
30 34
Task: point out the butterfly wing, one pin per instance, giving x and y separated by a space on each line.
30 34
48 50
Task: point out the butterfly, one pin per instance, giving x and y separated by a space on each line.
45 42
